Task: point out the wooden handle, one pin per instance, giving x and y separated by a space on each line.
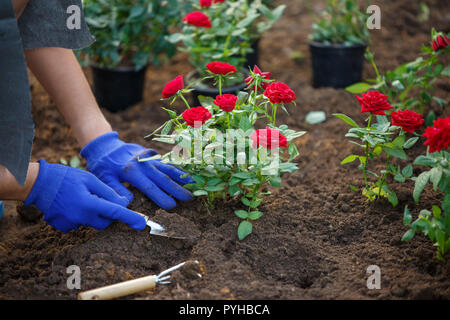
119 289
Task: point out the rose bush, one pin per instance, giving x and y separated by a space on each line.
224 30
223 152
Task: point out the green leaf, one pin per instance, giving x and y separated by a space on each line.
435 176
421 182
219 187
244 229
407 217
346 119
398 153
437 212
234 190
399 141
245 201
349 159
408 235
446 71
410 142
199 193
407 171
358 88
241 214
255 215
400 178
275 181
424 161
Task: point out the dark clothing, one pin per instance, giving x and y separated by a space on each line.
42 24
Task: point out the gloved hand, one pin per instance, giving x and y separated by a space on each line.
70 197
114 161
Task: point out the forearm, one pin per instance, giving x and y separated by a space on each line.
11 190
19 6
60 74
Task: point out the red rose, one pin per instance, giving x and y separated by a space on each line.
223 68
374 102
226 102
279 92
440 42
173 87
268 138
205 3
198 19
438 136
265 75
409 120
196 117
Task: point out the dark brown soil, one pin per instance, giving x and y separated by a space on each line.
317 237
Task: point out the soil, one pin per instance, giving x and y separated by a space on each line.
316 238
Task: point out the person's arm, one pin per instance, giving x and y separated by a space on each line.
58 70
109 158
19 6
10 188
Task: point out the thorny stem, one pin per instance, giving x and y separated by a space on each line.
274 115
184 100
220 84
367 155
383 179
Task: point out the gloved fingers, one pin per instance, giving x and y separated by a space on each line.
100 223
112 211
166 183
102 190
147 153
119 188
138 179
173 172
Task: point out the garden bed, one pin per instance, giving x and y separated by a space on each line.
316 238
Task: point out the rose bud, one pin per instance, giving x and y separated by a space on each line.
173 87
198 19
409 120
374 102
438 136
268 138
441 41
205 3
222 68
265 75
226 102
196 117
279 92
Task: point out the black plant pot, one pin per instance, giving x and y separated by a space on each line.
336 65
118 89
202 90
252 58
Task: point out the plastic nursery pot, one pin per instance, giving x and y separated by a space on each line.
252 58
336 65
118 89
203 89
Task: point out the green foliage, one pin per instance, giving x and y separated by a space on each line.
411 85
342 22
377 139
236 24
129 32
221 158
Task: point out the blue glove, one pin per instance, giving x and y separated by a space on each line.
114 161
70 198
